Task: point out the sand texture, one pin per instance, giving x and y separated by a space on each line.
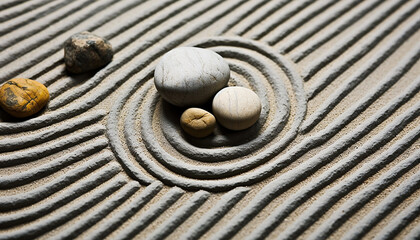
334 155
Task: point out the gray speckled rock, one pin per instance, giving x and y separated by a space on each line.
190 76
236 108
86 51
197 122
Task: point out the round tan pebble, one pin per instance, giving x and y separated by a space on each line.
21 97
236 108
198 122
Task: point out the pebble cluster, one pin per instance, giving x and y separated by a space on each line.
190 77
184 77
83 52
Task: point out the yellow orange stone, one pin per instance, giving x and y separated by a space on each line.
21 97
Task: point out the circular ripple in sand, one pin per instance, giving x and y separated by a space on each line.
226 159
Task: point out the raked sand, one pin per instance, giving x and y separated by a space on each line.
335 153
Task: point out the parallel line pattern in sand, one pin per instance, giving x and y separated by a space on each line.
66 196
286 180
103 161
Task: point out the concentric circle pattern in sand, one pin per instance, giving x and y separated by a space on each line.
154 138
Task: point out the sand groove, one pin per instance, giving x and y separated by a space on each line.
320 24
13 143
110 204
47 149
340 93
107 226
208 219
385 52
334 193
335 153
180 215
55 202
281 16
33 174
151 214
298 20
400 221
345 43
49 223
306 219
10 10
344 22
258 15
25 18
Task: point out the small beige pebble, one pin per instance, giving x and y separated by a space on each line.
198 122
236 108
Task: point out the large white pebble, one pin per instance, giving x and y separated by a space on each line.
190 76
236 108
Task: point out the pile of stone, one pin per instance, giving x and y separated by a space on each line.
186 77
190 77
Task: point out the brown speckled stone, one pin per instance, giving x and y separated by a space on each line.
86 51
21 97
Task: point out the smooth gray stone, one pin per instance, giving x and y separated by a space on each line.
190 76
